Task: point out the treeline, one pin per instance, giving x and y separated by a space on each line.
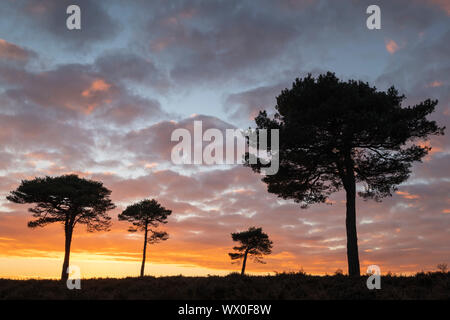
72 201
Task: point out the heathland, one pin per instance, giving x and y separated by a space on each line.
284 286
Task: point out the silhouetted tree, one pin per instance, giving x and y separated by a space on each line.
442 267
253 242
147 215
334 134
69 200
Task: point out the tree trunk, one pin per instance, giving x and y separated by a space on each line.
145 250
350 221
244 262
68 234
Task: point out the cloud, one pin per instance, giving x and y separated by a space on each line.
70 86
209 43
153 143
443 4
50 16
98 85
232 40
11 51
76 90
128 66
29 139
392 46
247 104
420 81
435 84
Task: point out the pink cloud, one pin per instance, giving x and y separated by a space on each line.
443 4
391 46
435 84
161 44
407 195
11 51
98 85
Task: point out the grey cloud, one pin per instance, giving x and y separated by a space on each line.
124 65
247 104
154 143
75 90
97 24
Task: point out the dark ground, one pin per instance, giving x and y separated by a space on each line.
282 286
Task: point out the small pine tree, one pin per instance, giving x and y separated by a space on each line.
146 216
253 242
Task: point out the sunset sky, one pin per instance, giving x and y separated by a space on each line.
102 103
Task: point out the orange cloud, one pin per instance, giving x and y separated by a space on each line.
407 195
151 165
392 46
11 51
98 85
432 151
435 84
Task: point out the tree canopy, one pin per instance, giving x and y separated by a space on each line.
67 199
146 214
